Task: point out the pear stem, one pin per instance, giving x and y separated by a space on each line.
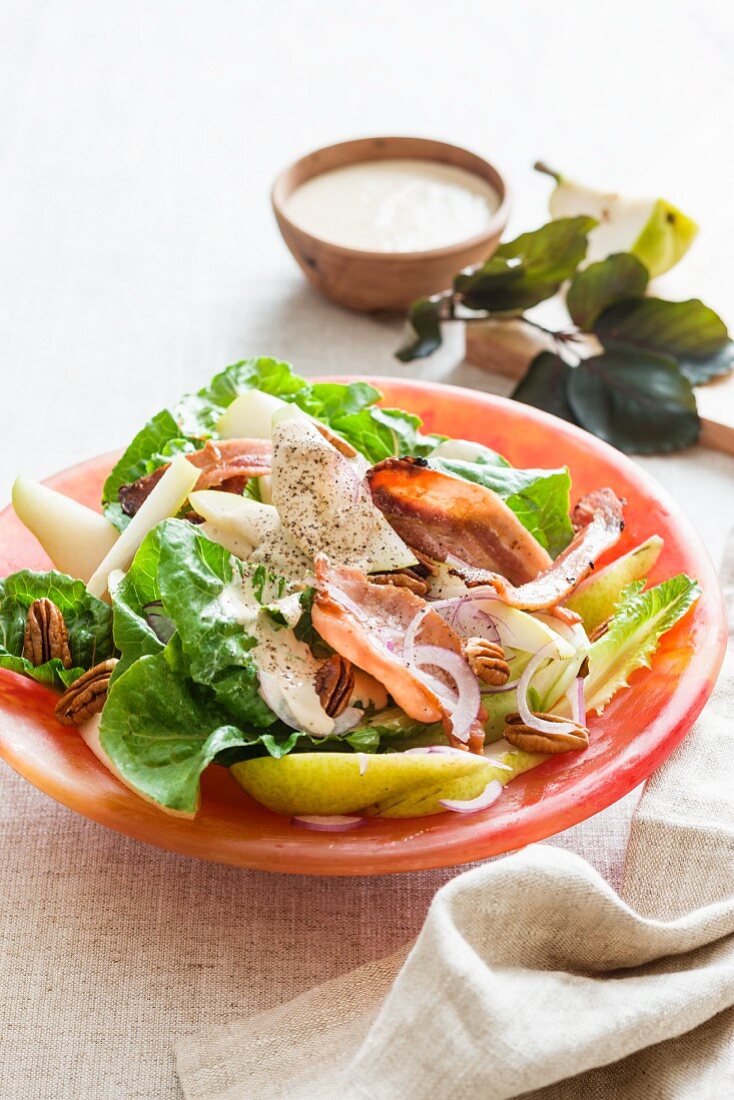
541 166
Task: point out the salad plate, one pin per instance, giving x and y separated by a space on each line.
637 730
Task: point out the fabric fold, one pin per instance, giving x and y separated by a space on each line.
531 976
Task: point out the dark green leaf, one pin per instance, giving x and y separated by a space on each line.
424 318
529 269
539 498
639 402
88 621
688 331
602 284
545 386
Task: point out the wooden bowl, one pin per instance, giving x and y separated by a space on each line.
384 280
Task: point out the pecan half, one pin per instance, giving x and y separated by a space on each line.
530 740
334 684
487 661
403 578
46 635
86 696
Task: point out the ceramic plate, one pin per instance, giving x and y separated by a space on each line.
637 731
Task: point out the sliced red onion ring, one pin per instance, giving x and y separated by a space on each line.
424 750
410 634
430 749
333 823
477 620
489 690
530 719
575 696
489 795
470 700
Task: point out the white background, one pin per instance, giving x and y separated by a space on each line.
138 255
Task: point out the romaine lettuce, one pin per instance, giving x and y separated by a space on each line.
634 631
160 729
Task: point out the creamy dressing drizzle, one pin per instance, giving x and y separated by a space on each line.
279 654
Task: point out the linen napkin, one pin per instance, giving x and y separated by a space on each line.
531 976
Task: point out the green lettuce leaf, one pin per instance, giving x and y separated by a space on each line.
193 573
641 618
134 635
539 498
88 621
161 730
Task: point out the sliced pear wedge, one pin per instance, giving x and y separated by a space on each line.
390 785
250 416
653 229
596 597
74 537
165 500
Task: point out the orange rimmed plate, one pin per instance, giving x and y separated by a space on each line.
637 731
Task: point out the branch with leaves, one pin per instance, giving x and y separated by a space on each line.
624 367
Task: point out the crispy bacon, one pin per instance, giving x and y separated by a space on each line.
444 516
366 623
225 465
600 523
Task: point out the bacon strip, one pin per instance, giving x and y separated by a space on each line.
226 465
599 520
444 516
366 623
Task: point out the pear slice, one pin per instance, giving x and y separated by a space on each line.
653 229
250 416
596 597
165 500
324 504
74 537
240 516
388 785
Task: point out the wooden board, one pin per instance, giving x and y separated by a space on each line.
507 347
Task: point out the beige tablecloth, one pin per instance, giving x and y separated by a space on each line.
139 255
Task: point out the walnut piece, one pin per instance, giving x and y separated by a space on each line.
487 661
334 684
530 740
46 635
86 696
403 578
